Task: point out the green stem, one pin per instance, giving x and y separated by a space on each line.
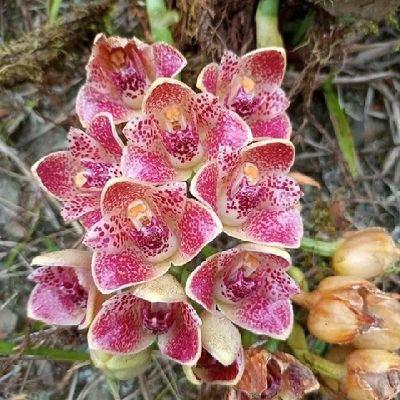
248 338
299 277
9 348
161 19
320 247
267 31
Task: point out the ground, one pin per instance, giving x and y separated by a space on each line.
37 108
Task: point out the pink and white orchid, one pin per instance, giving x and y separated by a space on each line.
119 72
250 86
177 132
76 176
65 293
222 356
249 286
130 322
252 194
144 229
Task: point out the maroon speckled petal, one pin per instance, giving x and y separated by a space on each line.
262 127
200 283
271 227
91 102
54 307
270 155
261 315
120 269
56 173
80 205
90 218
166 60
204 185
171 199
280 192
141 132
228 68
198 226
147 166
182 343
272 103
265 66
103 130
118 326
207 79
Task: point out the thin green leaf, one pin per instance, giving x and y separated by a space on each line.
53 8
341 127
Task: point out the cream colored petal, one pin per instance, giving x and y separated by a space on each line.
165 289
220 337
64 258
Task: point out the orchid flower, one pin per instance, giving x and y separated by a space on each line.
252 194
130 322
144 229
77 176
250 86
222 357
65 293
249 286
177 132
119 72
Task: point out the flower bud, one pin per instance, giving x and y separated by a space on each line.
121 366
365 254
349 310
371 375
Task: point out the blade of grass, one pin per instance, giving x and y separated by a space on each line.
53 8
341 127
9 348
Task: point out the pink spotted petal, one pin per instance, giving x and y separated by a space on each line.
80 205
182 343
228 131
147 166
56 173
120 269
280 192
166 60
278 127
165 92
199 225
90 218
118 327
84 146
204 185
54 307
265 66
270 155
103 130
273 103
228 68
141 132
200 284
120 192
91 102
170 199
207 79
271 227
261 315
277 284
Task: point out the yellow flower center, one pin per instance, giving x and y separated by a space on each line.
174 117
79 180
139 213
251 172
248 84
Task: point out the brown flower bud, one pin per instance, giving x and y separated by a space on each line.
365 254
350 310
270 376
371 375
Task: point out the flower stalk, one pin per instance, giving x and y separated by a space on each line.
320 247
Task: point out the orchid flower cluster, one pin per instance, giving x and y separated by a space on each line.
125 178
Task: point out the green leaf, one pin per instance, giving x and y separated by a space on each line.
53 7
341 127
113 387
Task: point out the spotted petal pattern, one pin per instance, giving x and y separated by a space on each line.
250 286
252 194
119 73
250 85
